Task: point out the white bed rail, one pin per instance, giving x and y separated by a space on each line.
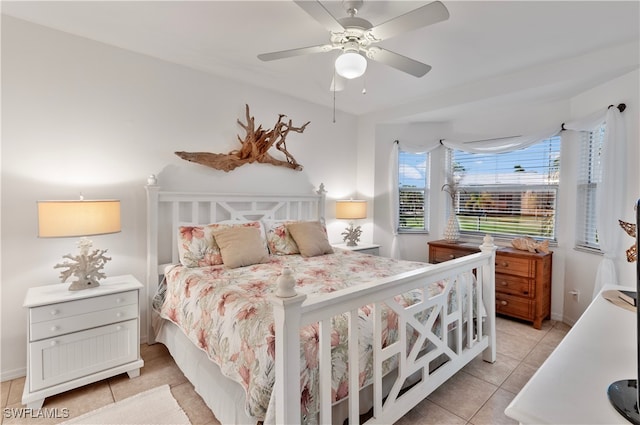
294 312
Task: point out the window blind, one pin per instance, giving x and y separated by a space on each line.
413 180
589 176
508 194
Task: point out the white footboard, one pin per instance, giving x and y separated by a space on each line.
472 335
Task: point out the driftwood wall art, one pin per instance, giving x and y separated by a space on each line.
255 147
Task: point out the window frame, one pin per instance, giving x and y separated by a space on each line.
549 192
588 180
426 190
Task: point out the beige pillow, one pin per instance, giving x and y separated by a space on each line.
310 237
241 246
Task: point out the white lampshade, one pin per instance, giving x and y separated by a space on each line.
78 218
351 64
351 209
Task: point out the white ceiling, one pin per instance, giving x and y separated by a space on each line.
514 50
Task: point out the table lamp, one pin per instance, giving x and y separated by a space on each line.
351 210
61 219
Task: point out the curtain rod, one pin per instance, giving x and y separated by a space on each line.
486 140
621 107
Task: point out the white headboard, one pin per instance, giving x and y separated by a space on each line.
166 211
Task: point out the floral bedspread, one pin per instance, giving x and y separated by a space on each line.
227 313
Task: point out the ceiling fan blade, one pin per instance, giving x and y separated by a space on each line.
421 17
395 60
318 12
295 52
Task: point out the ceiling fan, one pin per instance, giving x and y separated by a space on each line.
356 37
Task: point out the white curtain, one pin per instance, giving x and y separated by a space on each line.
394 185
395 200
611 191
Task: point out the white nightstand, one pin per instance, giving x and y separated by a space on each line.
365 248
79 337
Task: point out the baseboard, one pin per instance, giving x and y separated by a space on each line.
569 321
13 374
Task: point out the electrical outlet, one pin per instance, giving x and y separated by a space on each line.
575 294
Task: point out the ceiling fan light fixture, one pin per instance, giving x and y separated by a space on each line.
351 64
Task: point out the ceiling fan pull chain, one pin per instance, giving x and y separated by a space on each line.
334 95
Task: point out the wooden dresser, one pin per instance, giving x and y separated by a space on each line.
523 279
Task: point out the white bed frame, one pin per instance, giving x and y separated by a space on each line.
167 210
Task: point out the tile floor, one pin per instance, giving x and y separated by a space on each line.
476 395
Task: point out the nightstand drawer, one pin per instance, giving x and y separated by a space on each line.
79 322
515 285
87 305
514 266
61 359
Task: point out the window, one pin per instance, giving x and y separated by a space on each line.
589 176
508 194
413 180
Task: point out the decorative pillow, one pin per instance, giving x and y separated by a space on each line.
241 246
197 246
279 240
310 237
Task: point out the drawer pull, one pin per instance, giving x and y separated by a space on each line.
503 264
504 283
119 328
55 328
55 312
119 300
119 314
53 343
451 256
503 302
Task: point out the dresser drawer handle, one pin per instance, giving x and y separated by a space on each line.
451 256
53 343
55 328
55 312
503 302
119 300
119 314
504 283
119 328
503 264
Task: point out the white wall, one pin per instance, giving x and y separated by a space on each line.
571 269
80 116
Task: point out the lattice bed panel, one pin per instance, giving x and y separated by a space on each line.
434 334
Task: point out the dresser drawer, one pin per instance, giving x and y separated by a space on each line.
515 285
80 322
514 266
445 254
515 306
87 305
